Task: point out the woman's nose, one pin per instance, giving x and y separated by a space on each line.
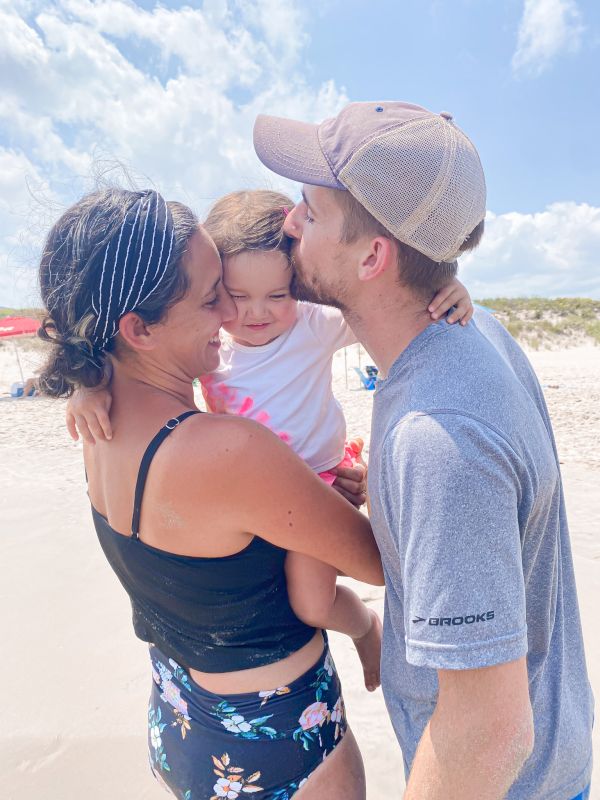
228 308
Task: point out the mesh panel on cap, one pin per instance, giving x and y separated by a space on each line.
423 181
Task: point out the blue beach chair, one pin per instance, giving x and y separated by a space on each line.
370 379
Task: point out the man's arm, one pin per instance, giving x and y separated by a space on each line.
478 738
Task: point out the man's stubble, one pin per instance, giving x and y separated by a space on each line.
312 290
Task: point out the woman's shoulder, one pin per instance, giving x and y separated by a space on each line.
219 439
223 465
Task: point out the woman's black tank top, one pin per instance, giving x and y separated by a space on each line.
210 614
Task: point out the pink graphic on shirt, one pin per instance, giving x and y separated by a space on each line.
246 407
223 399
349 460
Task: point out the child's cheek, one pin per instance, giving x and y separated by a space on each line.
231 327
291 312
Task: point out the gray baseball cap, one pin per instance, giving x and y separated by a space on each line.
415 171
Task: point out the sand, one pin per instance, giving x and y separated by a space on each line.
75 680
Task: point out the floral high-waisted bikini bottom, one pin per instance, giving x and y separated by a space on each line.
204 746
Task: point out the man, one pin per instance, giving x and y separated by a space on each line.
483 667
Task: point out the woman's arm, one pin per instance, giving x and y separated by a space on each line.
261 487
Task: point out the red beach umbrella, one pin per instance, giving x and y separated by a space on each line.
18 326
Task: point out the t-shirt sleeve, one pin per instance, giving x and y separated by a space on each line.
451 493
329 327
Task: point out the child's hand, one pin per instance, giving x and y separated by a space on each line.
351 481
455 294
87 414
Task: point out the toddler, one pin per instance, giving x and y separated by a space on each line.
275 368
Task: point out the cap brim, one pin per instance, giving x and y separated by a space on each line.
291 148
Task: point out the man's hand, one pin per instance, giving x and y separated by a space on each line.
351 482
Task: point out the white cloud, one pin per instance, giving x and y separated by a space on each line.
547 28
172 93
552 253
27 205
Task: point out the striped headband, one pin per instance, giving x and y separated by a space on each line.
134 264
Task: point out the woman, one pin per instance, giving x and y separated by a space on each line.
195 519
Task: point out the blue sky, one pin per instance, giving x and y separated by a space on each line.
536 133
172 90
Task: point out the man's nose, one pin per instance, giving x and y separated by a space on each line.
291 226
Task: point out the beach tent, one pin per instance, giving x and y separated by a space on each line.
18 326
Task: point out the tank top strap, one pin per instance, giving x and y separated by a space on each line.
156 442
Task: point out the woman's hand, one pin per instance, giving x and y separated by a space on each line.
88 414
351 482
455 294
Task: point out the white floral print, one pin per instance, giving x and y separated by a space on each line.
338 710
226 788
155 737
236 724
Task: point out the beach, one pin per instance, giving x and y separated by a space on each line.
76 681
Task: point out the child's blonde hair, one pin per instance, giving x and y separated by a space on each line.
249 220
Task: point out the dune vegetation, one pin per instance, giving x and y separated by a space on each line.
541 322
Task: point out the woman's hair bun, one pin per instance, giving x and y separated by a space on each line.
72 362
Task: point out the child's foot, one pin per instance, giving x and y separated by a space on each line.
369 652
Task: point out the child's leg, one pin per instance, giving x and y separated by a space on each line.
318 601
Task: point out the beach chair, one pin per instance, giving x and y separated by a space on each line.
370 379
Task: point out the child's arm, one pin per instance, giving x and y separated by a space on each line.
454 294
88 412
320 603
311 588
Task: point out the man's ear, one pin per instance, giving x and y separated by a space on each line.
380 255
135 332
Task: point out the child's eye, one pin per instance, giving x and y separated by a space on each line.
213 302
278 296
308 218
237 296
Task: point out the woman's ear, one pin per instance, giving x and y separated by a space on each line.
382 253
135 332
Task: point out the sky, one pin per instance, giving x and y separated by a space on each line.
165 95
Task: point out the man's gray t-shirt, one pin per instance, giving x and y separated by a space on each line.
468 511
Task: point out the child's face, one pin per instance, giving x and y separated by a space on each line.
259 283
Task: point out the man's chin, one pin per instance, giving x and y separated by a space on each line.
300 291
309 294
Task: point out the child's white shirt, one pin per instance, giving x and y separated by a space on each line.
286 384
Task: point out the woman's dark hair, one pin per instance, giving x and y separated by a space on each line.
70 272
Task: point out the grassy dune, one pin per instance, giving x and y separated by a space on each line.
36 313
540 322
